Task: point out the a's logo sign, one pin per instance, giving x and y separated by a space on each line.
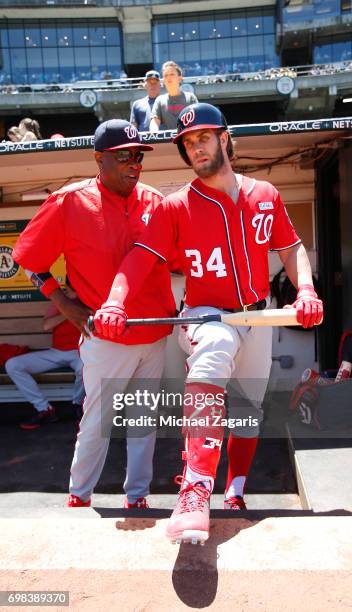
263 225
131 131
188 117
8 267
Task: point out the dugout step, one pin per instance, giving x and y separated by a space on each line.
235 545
42 505
295 564
323 468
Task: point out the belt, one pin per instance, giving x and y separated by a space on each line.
256 306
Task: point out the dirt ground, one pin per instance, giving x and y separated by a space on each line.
141 591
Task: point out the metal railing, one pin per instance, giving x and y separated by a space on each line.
137 83
116 3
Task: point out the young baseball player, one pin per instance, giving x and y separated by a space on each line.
95 224
221 227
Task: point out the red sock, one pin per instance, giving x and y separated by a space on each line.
240 454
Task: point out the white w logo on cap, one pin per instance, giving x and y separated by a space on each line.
131 131
188 117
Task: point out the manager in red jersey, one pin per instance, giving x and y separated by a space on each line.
221 228
95 223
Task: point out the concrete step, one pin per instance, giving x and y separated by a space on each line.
300 563
35 505
323 468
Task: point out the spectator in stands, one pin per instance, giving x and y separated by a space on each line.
29 129
197 68
123 78
64 353
168 106
14 134
142 108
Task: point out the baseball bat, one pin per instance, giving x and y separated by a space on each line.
263 318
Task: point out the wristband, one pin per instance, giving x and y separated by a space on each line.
49 286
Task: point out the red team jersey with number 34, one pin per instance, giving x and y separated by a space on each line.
222 247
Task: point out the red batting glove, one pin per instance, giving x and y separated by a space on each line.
308 306
110 321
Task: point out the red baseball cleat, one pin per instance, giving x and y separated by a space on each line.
76 502
235 503
141 502
43 417
189 521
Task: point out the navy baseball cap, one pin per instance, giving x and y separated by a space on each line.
117 134
152 74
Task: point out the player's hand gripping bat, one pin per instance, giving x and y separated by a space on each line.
253 318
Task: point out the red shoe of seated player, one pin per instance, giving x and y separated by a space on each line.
141 502
76 502
235 503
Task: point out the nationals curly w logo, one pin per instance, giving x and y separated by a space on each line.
188 117
131 131
263 225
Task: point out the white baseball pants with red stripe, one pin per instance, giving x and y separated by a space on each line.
223 355
125 366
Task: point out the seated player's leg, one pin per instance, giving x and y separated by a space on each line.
250 379
21 369
78 391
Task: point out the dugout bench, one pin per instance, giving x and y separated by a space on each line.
21 323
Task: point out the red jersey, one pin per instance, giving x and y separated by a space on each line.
95 228
65 337
222 247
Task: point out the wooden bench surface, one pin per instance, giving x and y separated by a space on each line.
22 324
53 377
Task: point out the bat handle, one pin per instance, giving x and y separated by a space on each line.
90 323
164 321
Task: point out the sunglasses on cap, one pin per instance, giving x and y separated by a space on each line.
124 156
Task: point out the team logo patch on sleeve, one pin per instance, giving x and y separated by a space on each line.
266 205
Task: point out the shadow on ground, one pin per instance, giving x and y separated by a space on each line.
40 460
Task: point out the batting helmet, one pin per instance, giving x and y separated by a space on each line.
200 116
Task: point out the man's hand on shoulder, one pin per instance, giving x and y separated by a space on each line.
110 321
73 310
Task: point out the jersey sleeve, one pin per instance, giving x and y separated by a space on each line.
42 241
160 236
283 235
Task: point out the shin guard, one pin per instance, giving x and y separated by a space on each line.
204 410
